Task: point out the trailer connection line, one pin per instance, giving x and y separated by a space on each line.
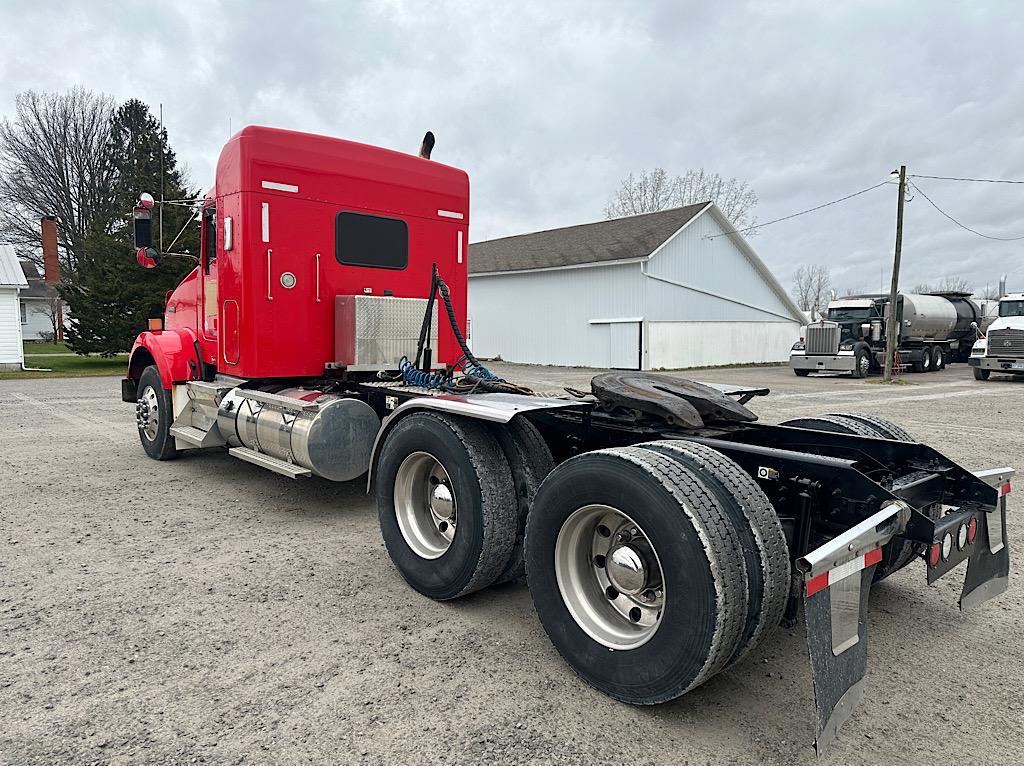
473 377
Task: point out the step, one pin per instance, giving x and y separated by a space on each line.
282 467
197 437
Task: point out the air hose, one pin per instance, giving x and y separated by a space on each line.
475 376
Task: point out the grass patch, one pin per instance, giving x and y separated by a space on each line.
32 348
893 382
69 367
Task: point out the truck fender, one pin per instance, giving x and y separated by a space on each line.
171 351
495 408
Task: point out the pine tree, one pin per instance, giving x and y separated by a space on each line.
109 296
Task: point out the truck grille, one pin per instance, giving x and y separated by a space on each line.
1009 343
822 339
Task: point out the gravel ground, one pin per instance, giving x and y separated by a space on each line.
207 611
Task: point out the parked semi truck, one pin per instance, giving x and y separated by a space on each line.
933 330
663 531
1001 346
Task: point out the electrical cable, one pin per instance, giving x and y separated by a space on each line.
959 178
963 226
802 212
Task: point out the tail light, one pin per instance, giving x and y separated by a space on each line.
947 545
933 554
961 537
972 529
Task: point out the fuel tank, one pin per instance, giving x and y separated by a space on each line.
330 435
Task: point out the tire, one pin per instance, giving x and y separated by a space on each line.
980 374
529 458
802 373
897 553
693 546
154 412
885 428
839 424
445 556
926 361
766 554
862 364
938 359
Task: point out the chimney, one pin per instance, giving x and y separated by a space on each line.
51 266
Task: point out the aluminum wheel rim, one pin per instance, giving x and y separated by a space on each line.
425 505
150 424
597 553
865 365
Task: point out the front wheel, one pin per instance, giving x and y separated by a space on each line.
154 411
980 374
863 364
802 373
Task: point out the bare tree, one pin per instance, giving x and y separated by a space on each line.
653 190
54 160
811 285
53 311
852 291
989 293
948 284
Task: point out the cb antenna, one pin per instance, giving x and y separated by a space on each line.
161 212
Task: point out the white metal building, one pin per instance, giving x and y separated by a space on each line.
12 282
38 304
671 289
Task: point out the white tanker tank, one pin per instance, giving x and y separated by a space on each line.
938 317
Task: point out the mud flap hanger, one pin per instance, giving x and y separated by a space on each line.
837 579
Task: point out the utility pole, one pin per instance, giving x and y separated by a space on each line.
890 325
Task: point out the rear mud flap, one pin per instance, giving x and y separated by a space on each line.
837 581
988 568
837 644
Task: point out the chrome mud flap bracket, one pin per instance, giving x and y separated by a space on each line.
988 568
837 579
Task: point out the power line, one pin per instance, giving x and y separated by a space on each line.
802 212
977 180
962 226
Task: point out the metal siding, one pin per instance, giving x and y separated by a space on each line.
10 327
716 265
676 345
544 317
624 345
38 321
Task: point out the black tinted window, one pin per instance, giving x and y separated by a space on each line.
371 240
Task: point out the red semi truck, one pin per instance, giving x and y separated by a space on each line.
664 533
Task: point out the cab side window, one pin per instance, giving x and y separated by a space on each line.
209 239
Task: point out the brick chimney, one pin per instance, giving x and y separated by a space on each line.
51 266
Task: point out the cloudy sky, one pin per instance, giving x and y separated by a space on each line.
548 105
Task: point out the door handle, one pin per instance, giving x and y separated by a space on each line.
318 277
269 296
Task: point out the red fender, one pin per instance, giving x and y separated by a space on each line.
170 350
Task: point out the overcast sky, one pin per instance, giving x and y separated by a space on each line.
548 105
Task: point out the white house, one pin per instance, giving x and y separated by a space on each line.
38 303
12 282
673 289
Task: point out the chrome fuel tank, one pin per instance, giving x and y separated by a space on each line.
330 435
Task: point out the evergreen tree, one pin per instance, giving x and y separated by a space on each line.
109 295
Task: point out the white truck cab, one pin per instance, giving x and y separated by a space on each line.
1002 348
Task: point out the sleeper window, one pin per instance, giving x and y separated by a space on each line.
371 240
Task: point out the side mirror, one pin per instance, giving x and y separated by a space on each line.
147 257
142 231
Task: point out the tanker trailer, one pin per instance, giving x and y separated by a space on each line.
933 329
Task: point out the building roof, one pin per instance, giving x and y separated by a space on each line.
37 287
11 274
636 236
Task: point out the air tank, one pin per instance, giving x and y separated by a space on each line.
938 317
330 435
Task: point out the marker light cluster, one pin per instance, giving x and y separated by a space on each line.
965 535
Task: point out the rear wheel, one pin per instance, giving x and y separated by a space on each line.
530 459
802 373
636 573
446 504
154 412
938 359
925 365
980 374
766 554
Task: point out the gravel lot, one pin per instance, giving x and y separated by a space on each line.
207 611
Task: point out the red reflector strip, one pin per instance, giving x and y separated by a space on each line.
1005 489
834 575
